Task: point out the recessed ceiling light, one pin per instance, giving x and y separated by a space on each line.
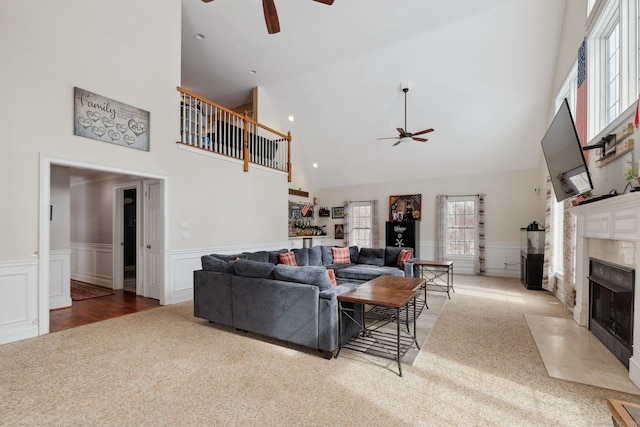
199 36
253 72
315 165
290 118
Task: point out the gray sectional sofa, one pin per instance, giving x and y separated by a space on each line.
254 292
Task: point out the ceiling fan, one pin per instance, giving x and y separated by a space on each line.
404 135
271 14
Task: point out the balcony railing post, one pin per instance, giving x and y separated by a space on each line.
289 156
245 142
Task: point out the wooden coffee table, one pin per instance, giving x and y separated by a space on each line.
390 292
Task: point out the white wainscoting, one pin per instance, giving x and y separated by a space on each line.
502 258
183 263
59 279
92 263
18 300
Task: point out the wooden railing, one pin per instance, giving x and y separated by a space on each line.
214 128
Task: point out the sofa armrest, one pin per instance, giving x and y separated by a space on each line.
337 290
408 267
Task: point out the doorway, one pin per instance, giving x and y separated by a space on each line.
129 227
152 262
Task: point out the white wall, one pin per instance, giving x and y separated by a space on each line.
128 51
510 203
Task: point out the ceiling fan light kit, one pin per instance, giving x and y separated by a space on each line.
405 136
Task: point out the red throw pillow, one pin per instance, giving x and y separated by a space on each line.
404 256
288 258
341 256
332 276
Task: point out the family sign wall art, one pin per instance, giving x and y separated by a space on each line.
101 118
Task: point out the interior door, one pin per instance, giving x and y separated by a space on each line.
153 239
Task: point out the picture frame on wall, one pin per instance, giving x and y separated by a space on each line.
405 208
338 231
337 212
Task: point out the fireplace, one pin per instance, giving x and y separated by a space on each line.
609 230
611 289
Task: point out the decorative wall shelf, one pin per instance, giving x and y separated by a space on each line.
615 148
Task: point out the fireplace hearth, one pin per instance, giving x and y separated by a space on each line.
611 288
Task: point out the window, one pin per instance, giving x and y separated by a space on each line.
461 226
612 62
569 90
361 223
612 85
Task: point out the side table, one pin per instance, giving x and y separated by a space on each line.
438 274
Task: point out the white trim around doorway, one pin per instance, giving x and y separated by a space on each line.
46 161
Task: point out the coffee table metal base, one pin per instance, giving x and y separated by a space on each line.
373 339
393 295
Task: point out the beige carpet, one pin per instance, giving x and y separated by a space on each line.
479 367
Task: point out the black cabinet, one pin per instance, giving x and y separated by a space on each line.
532 256
531 267
404 234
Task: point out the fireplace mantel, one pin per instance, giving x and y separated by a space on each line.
616 219
613 218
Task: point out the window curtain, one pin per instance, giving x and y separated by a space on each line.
346 228
442 235
375 233
479 263
548 278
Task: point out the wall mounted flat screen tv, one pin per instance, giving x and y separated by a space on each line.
565 158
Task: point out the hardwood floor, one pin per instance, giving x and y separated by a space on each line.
97 309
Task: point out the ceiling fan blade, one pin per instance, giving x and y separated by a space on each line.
419 139
327 2
399 141
207 1
271 16
423 132
402 132
393 137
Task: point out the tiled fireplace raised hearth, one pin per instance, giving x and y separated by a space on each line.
609 231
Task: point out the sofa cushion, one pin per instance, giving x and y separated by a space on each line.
315 255
274 255
364 272
212 263
327 255
332 277
341 255
405 255
248 268
262 256
287 258
224 257
302 256
391 255
371 256
354 253
311 274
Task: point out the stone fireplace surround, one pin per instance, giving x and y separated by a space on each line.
609 230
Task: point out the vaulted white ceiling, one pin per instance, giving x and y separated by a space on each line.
480 73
